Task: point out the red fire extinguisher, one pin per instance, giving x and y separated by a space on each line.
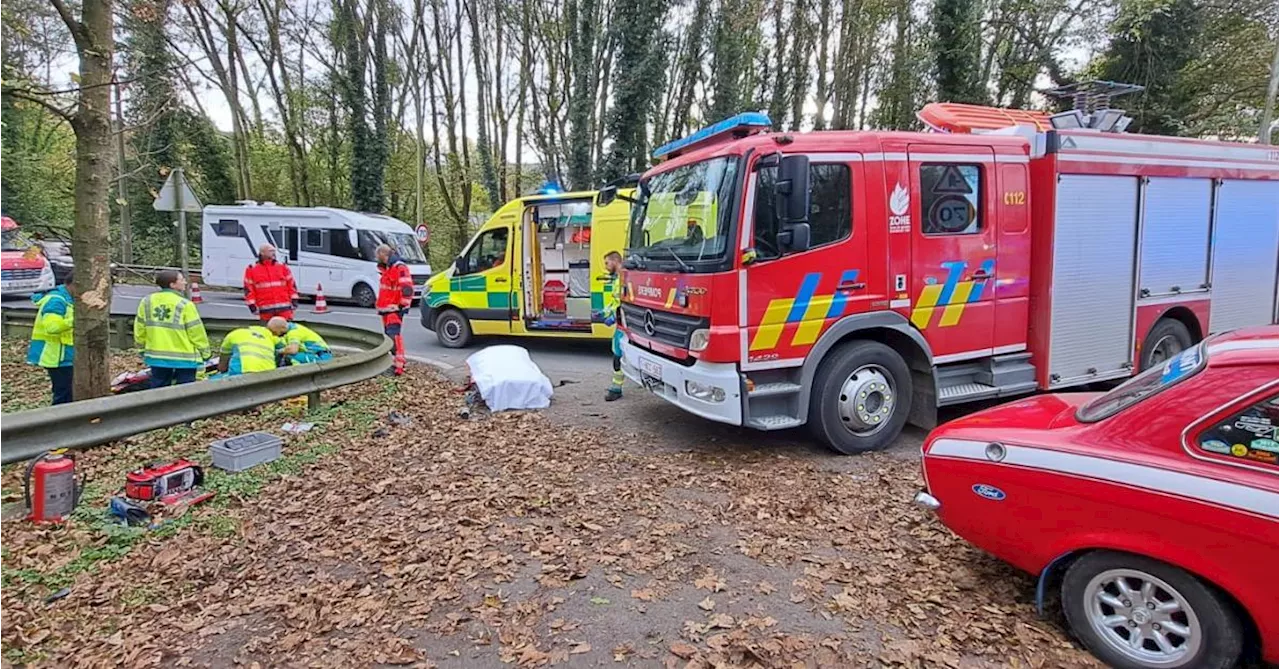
50 487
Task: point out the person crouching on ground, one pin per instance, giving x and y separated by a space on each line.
612 302
395 296
170 333
248 350
309 346
52 339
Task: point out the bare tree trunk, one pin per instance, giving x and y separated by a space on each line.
1264 128
821 91
94 38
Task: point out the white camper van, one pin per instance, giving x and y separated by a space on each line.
323 246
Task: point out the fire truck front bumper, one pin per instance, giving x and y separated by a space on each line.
712 390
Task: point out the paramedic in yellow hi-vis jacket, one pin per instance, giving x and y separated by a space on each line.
248 350
170 333
52 340
612 302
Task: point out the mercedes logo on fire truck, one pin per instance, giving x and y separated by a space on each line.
648 322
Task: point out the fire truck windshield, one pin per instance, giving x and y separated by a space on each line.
684 218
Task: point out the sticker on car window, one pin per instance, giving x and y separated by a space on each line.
1269 445
1183 364
1216 446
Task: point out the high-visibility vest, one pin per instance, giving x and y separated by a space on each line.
169 331
252 349
305 338
311 346
52 337
269 287
395 286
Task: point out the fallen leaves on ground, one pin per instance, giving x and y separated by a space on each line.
505 539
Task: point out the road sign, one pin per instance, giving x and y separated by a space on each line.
176 195
423 234
952 181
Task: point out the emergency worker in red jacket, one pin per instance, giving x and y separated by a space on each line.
268 286
395 296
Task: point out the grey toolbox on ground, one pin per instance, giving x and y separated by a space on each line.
236 454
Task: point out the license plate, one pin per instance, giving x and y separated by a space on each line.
651 368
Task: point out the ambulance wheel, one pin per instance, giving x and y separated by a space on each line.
452 329
861 397
1133 612
1167 338
364 296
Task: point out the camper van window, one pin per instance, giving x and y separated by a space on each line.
404 244
340 245
313 241
226 228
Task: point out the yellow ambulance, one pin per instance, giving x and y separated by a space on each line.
535 268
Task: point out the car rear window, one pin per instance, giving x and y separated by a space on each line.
1145 385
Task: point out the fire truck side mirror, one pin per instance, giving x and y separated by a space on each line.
792 203
794 237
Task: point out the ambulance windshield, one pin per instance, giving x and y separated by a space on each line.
683 218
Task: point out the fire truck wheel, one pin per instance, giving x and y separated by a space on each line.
1168 337
452 329
860 398
1133 612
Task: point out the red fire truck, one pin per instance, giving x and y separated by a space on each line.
855 281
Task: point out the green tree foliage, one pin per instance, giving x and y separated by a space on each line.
38 155
1152 41
734 45
639 79
957 50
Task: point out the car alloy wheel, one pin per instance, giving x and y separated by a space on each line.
1142 617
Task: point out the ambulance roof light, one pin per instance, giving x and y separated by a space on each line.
746 123
549 188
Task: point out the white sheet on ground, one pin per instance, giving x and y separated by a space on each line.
508 379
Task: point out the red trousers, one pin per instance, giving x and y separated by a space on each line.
391 326
287 315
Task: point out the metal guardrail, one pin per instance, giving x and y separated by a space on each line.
87 423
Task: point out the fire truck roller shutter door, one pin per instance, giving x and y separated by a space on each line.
1244 255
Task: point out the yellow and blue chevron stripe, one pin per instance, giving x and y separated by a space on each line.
809 310
949 297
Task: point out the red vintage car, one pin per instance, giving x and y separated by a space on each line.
1153 507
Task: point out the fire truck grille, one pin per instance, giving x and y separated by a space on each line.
668 328
20 274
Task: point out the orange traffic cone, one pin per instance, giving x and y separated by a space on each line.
321 307
195 293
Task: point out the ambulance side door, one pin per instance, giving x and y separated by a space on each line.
481 283
953 248
608 234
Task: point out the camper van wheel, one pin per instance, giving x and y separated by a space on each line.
453 329
364 296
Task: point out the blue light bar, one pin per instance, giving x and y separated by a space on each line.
549 188
745 123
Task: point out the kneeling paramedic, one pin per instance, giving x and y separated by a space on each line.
170 333
311 347
395 296
248 350
52 342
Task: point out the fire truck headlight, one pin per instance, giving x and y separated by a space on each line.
701 391
699 339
